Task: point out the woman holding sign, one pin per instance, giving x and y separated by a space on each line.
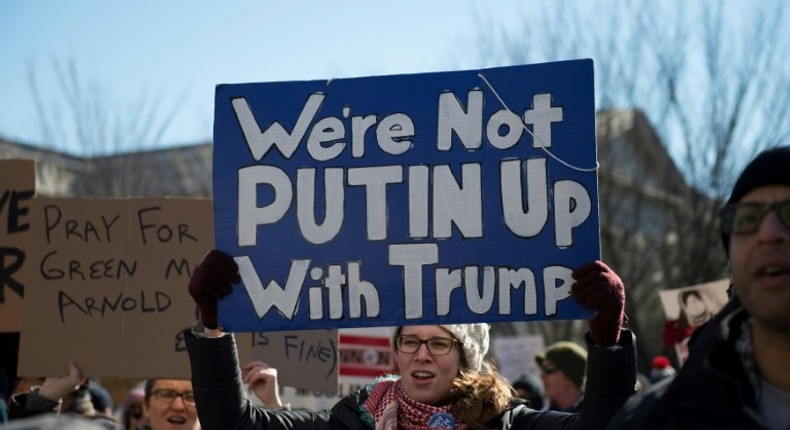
444 382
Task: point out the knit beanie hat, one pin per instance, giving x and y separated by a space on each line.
770 167
661 369
569 357
473 339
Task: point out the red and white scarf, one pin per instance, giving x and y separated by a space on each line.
392 409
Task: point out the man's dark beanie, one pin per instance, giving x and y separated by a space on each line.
770 167
569 357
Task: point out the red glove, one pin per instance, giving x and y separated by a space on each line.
598 287
210 282
673 333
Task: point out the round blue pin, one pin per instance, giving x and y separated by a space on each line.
441 420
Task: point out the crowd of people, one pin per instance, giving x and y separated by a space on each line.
737 374
154 404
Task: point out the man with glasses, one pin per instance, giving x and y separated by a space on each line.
737 374
170 404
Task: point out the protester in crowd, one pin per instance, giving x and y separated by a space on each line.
661 369
167 403
131 410
737 373
562 369
60 395
170 404
530 388
444 381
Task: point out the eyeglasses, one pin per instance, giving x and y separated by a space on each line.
745 218
169 396
436 345
548 368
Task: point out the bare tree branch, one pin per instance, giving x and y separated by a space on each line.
712 81
81 115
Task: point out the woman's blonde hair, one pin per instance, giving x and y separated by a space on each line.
478 397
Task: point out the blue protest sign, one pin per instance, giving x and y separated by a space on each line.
455 197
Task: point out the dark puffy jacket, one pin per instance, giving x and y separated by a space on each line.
222 403
711 391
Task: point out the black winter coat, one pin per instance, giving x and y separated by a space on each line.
711 391
222 403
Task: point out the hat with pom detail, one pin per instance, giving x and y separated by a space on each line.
662 368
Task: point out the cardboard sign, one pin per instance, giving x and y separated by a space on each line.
17 188
108 289
107 285
304 359
695 304
692 306
365 354
451 197
515 355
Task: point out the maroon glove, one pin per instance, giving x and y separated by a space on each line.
211 282
598 287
